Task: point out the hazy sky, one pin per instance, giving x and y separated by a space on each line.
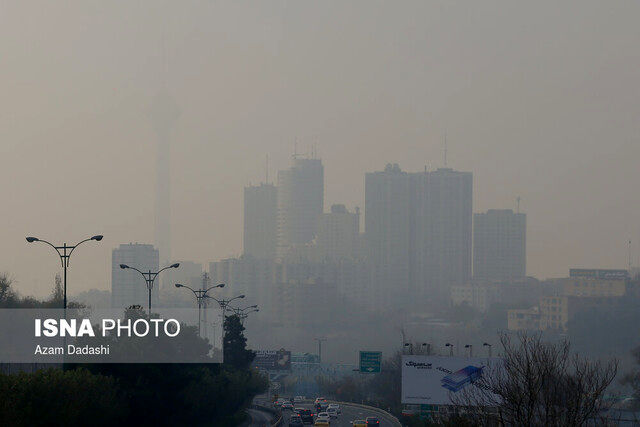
537 98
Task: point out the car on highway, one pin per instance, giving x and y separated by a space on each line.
295 421
298 399
372 421
336 406
278 403
359 423
320 400
323 419
286 406
306 415
333 412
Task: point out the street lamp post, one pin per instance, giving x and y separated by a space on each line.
150 277
427 346
470 347
410 345
64 252
200 295
243 313
223 303
488 345
450 348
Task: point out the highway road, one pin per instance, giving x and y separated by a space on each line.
259 418
349 413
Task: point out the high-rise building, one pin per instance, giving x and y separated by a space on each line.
128 287
443 229
260 221
300 203
388 204
338 234
418 233
499 245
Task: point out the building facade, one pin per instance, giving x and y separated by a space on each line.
260 221
128 287
338 234
499 245
300 201
443 221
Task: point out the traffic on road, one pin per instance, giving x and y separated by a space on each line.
322 412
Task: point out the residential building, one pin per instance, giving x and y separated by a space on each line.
300 201
260 221
499 245
443 229
527 319
338 234
388 203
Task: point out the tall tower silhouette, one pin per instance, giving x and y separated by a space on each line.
164 115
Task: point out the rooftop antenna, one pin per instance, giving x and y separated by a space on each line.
518 204
445 150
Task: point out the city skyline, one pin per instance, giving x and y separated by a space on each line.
560 131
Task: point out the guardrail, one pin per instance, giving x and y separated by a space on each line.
277 415
382 412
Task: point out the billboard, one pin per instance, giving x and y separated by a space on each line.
433 379
273 360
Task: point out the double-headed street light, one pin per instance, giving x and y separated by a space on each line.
64 252
200 295
470 347
150 277
450 348
224 303
243 313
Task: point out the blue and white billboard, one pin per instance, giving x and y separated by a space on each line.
434 379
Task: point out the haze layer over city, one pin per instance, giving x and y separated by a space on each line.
537 99
388 204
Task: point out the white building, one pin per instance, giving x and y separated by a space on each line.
128 287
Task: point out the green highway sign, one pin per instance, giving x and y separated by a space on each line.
370 361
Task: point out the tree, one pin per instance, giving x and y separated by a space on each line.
537 383
7 295
235 344
633 379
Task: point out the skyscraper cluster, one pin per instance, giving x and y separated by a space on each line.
420 241
417 243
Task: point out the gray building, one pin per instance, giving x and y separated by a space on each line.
260 221
338 234
499 245
128 287
388 203
443 229
418 230
300 203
